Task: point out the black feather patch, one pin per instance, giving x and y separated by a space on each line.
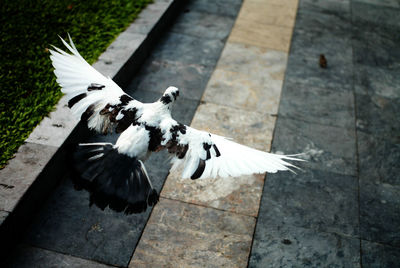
128 119
166 99
218 154
76 99
88 113
207 147
155 137
125 99
94 86
200 169
123 188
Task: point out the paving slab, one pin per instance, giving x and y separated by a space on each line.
313 199
372 13
326 148
379 189
318 105
188 49
41 258
156 76
269 13
21 172
175 237
381 81
378 116
3 216
223 7
204 25
325 6
251 76
300 247
266 36
377 255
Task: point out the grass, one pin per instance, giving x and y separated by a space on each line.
28 90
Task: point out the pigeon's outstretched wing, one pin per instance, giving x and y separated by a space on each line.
92 96
209 155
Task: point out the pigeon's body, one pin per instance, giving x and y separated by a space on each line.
115 174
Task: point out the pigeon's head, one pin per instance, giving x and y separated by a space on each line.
170 95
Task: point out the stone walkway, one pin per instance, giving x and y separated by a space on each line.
342 210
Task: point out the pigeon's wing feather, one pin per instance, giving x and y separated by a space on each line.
210 155
92 96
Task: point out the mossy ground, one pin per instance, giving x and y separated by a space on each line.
28 89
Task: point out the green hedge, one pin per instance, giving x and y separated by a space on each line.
28 28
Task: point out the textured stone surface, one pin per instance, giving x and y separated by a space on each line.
375 14
54 129
379 189
204 25
299 247
326 148
223 7
268 13
188 49
327 107
250 75
180 234
378 116
325 6
377 81
3 216
313 199
306 70
378 255
266 36
156 76
148 17
26 257
18 175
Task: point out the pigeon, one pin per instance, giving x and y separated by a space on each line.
115 174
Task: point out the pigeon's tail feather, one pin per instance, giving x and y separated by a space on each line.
113 179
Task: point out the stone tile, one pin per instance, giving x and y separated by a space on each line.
26 256
325 6
222 7
326 148
371 81
383 3
376 46
55 128
299 247
148 17
378 255
21 172
250 75
157 76
318 105
313 199
268 14
378 116
367 14
180 235
188 50
379 189
311 44
249 128
240 194
244 92
3 216
306 70
68 225
266 36
336 22
203 25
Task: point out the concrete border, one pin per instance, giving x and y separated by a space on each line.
36 169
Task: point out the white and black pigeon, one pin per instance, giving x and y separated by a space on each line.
114 174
